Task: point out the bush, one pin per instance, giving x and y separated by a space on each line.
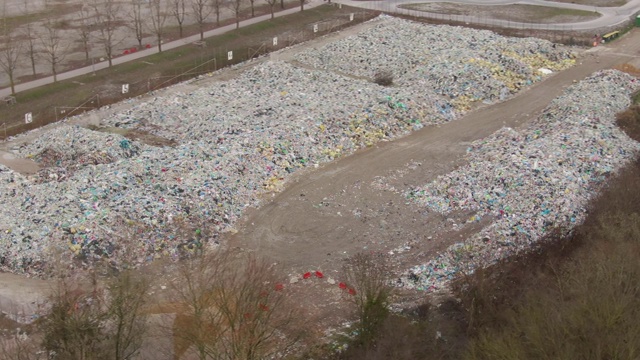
383 78
96 321
586 305
629 121
367 274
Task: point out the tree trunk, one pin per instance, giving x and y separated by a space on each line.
301 5
272 14
33 62
253 14
12 83
53 70
281 4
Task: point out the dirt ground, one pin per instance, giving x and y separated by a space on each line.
326 215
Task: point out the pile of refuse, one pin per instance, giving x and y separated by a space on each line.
482 66
103 196
531 181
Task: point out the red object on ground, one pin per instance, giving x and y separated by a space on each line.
342 285
148 46
352 291
279 287
264 307
126 52
306 275
319 274
247 315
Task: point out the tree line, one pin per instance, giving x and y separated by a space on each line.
97 24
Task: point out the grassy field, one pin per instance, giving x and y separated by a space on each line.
56 101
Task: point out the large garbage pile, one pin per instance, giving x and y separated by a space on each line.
103 196
534 180
481 67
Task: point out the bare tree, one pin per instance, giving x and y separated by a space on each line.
201 10
30 36
138 22
217 7
178 10
367 273
19 346
10 48
128 294
158 9
229 307
302 5
88 320
84 30
272 5
252 2
73 326
53 46
106 16
236 6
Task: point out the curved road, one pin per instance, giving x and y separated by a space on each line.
611 16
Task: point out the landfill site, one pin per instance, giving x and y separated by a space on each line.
472 154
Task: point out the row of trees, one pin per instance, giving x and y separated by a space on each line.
98 23
220 305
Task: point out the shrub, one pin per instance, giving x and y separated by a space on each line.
383 78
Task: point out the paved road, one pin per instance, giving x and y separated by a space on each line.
154 50
611 16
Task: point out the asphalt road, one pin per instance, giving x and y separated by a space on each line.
611 16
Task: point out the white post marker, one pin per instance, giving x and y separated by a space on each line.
315 28
275 41
125 88
351 17
28 118
339 6
230 55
